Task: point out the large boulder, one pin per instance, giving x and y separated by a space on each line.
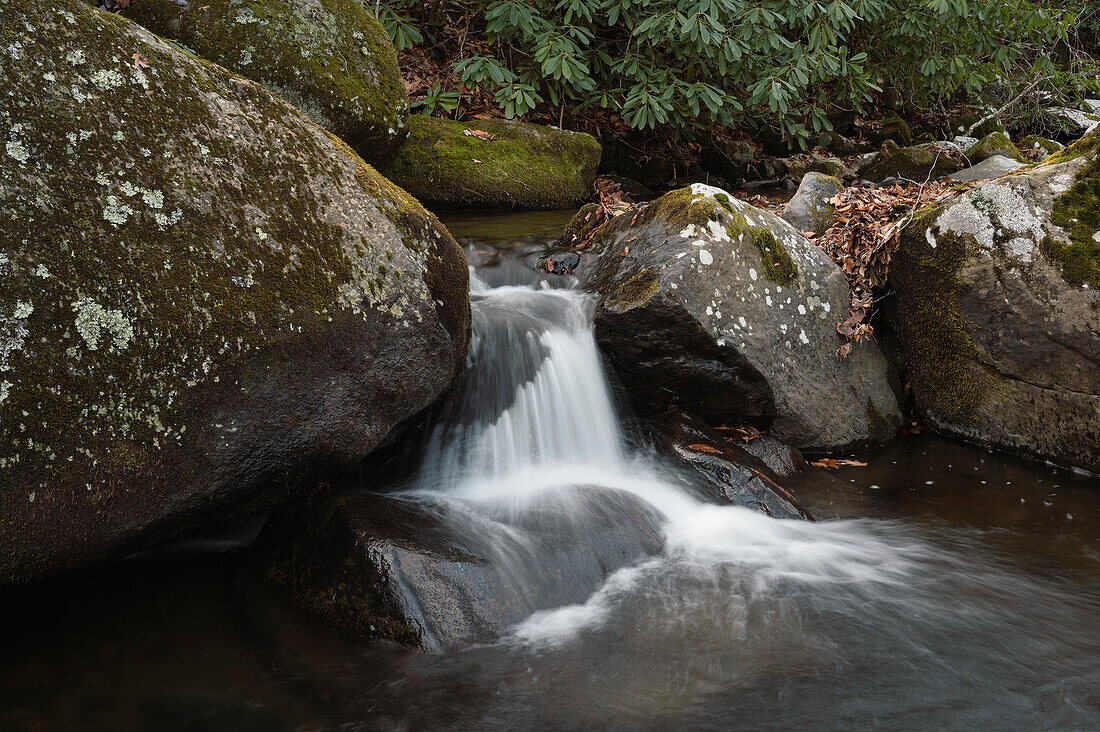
509 165
330 58
810 208
997 311
729 312
438 575
204 296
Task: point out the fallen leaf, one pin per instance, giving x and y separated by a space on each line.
837 463
139 61
480 134
705 448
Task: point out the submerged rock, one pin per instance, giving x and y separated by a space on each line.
559 263
995 143
523 166
330 58
730 473
433 574
994 166
997 311
809 209
911 163
728 312
204 297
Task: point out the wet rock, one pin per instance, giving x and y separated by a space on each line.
204 296
524 166
436 575
910 163
782 459
331 59
809 209
729 312
559 263
992 167
995 143
728 472
997 311
578 227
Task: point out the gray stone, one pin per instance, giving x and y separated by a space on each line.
810 209
731 313
991 167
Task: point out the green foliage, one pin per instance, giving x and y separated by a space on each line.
692 64
437 99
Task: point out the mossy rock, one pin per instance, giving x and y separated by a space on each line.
729 312
578 227
890 128
997 322
1035 142
206 300
833 167
912 163
330 58
525 167
810 208
995 143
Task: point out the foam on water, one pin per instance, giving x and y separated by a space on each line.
535 423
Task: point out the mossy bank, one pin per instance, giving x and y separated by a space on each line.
205 298
330 58
525 166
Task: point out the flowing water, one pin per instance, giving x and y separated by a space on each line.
944 587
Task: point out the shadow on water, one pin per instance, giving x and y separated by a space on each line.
944 587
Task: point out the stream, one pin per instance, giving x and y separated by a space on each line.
943 586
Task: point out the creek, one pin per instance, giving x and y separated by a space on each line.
942 586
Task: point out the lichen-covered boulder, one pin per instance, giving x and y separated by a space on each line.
995 143
330 58
522 166
997 311
204 296
810 209
730 313
911 163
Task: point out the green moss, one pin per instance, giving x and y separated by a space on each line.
1078 212
777 264
634 291
949 377
881 428
995 143
332 59
959 124
1085 146
526 166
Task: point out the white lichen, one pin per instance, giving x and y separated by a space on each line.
99 326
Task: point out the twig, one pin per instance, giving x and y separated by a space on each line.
997 113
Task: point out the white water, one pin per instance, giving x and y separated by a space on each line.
536 422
